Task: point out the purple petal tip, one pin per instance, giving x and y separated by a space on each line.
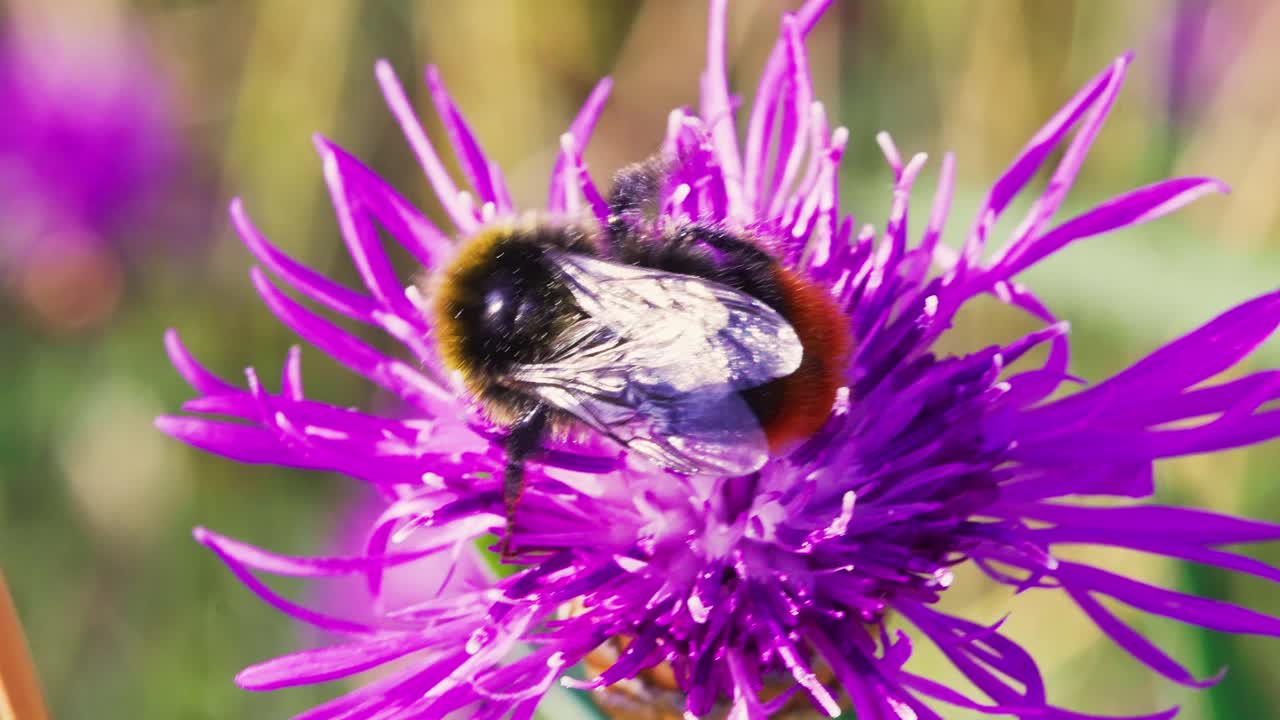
323 145
169 425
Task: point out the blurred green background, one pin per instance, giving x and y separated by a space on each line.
129 618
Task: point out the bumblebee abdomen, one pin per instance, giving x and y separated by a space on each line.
801 402
788 409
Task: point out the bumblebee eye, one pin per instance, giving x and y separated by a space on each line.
505 309
500 310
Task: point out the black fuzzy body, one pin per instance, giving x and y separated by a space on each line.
485 345
502 304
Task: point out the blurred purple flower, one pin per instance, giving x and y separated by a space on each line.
86 138
435 575
1203 40
1185 35
926 461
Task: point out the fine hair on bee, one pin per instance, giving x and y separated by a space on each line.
688 344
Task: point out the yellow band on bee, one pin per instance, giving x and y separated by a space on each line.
445 293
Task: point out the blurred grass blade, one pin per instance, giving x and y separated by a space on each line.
20 697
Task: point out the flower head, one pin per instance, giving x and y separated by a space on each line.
789 573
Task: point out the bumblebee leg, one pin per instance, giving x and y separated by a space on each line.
523 439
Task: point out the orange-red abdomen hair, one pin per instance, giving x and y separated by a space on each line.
807 395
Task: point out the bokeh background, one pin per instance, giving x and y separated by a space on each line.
125 128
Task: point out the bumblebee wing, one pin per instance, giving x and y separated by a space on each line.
707 429
659 361
702 333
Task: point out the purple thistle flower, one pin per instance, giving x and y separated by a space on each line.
87 138
732 583
87 124
1202 41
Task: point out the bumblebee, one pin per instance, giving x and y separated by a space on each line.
690 345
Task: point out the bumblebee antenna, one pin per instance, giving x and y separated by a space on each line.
523 438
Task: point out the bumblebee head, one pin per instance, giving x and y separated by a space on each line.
499 303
